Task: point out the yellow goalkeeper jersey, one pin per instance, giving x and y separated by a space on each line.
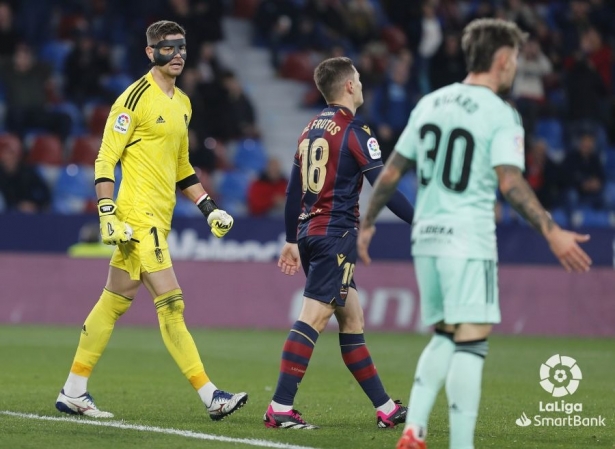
148 133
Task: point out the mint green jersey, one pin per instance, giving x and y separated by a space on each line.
457 135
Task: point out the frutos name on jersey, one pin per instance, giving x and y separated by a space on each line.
328 125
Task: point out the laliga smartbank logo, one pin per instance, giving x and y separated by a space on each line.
560 376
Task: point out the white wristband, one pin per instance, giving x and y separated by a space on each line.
201 198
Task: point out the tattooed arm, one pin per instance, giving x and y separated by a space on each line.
522 198
563 244
384 187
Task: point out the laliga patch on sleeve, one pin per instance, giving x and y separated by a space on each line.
122 122
374 148
519 145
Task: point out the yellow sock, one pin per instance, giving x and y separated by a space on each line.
97 331
177 339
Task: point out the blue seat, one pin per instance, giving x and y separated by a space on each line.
250 155
232 191
552 131
609 164
55 52
592 218
609 195
73 111
185 208
560 216
74 189
117 83
557 98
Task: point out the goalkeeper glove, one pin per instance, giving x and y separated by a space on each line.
219 221
112 230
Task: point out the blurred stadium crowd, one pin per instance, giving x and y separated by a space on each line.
63 62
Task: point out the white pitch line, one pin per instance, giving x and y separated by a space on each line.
183 433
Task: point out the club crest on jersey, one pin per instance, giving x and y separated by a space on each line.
374 148
122 122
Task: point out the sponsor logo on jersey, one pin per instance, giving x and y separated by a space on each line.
122 122
436 230
374 148
160 119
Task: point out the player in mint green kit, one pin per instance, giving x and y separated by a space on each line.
466 142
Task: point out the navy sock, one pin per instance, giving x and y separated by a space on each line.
358 360
296 355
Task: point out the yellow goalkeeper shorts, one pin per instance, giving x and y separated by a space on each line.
148 251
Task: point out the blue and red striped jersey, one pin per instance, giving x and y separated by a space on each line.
333 152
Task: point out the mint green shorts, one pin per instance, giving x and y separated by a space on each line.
456 290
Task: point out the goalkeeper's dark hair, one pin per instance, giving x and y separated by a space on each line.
158 30
482 38
330 76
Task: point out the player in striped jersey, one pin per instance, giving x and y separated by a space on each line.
334 152
147 131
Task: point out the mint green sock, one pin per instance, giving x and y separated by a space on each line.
463 388
429 378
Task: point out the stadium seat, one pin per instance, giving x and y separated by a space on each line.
560 216
297 66
394 38
232 191
46 154
551 130
589 217
74 190
74 112
557 98
245 9
250 155
84 150
97 118
311 98
10 142
609 195
54 53
45 149
609 164
185 208
118 83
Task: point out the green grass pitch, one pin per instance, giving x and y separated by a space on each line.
137 380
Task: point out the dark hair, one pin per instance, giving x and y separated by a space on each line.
331 74
482 38
158 30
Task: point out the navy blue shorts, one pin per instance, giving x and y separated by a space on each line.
329 264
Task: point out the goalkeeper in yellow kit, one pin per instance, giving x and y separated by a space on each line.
147 131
